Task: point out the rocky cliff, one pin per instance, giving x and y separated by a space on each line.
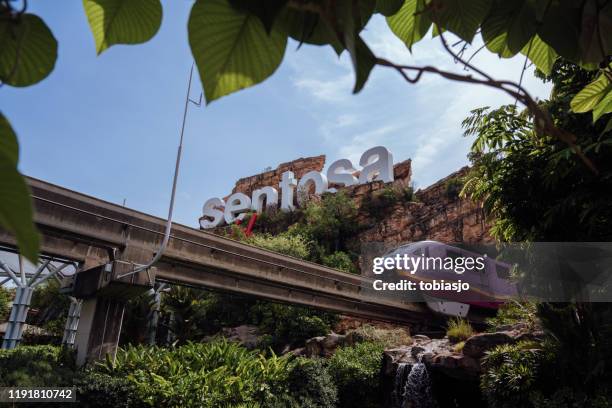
432 213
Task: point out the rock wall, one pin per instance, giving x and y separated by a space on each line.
272 178
431 214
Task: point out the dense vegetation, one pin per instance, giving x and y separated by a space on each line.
211 374
536 188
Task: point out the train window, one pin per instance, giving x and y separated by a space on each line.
503 272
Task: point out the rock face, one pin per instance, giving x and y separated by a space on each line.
325 346
433 213
246 335
272 178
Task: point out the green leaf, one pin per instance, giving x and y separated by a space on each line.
307 27
122 21
604 106
560 29
9 147
608 127
522 27
494 28
28 50
15 203
232 49
350 20
266 10
460 17
591 95
541 54
596 32
363 62
410 24
388 7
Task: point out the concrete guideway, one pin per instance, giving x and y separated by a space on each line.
95 233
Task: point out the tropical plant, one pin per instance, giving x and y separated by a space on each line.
459 329
356 371
310 384
535 188
388 337
340 260
36 366
512 313
5 299
286 243
453 188
290 325
510 374
212 374
96 390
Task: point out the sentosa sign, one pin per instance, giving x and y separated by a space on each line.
377 163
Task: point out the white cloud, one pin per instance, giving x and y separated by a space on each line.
421 121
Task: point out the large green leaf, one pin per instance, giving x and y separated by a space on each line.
266 10
363 62
122 21
591 95
307 27
410 24
15 202
28 50
388 7
604 106
560 28
541 54
596 32
494 28
232 49
460 17
522 26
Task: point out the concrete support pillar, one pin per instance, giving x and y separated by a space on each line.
72 322
17 317
99 328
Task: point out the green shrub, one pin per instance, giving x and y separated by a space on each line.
458 348
36 366
356 371
377 203
512 313
453 187
201 375
290 325
509 375
406 194
331 223
459 330
310 384
340 260
5 299
102 390
285 243
388 337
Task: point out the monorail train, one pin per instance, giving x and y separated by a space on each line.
488 288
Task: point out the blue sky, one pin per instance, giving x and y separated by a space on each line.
108 126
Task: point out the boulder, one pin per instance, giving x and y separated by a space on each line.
324 346
246 335
477 345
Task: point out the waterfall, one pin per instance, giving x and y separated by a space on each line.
412 388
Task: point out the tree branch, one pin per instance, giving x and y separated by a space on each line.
542 120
